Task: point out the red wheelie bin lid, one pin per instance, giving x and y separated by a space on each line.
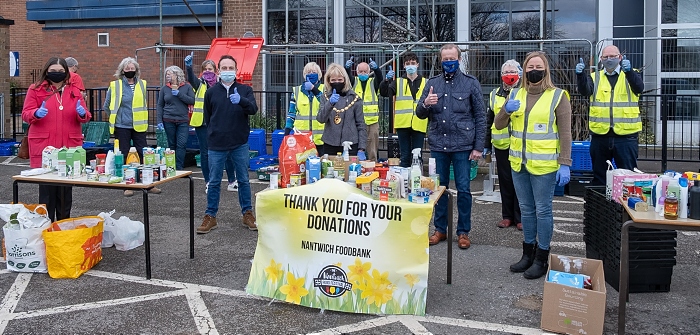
244 50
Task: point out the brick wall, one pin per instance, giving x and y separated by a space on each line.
5 77
25 37
238 17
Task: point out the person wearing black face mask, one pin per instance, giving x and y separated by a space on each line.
539 117
454 106
614 92
305 103
54 108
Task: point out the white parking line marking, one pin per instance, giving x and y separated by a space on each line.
202 318
363 325
413 325
558 218
8 160
11 299
482 325
573 245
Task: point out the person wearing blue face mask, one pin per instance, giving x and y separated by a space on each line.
454 106
613 116
367 88
304 105
407 89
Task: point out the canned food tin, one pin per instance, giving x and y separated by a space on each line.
156 172
147 175
100 169
92 176
129 176
163 171
295 179
103 177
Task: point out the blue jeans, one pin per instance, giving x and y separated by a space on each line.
217 160
624 149
204 156
409 139
177 139
462 166
535 195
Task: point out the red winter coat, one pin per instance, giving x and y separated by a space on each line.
59 128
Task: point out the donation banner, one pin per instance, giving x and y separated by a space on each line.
329 245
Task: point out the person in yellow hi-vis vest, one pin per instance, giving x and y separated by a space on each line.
367 88
613 116
539 115
200 86
500 139
304 105
126 104
407 89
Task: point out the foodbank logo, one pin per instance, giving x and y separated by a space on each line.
332 281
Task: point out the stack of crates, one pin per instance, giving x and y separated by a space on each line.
97 132
257 141
277 138
8 147
581 168
652 252
192 140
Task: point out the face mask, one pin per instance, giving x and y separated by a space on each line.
510 79
450 66
130 74
363 77
56 77
209 77
611 63
228 76
312 78
338 87
535 76
411 69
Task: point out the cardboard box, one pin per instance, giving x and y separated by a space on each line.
570 310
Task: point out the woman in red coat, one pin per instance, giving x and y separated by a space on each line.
54 110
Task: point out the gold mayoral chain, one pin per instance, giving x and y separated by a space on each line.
337 119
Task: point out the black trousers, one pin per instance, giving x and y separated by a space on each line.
332 150
58 200
126 136
510 208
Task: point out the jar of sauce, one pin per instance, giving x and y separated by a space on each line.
671 207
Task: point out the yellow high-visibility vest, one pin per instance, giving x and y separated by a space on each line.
138 105
306 117
198 109
499 138
616 109
370 105
534 137
405 106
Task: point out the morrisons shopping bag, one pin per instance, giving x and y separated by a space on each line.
24 244
294 151
73 246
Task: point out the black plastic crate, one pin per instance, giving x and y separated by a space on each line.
642 280
578 183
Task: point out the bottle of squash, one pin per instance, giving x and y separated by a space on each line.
133 157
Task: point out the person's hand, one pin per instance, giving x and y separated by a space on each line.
580 66
287 131
80 109
175 91
308 86
625 64
475 155
563 175
160 126
349 63
372 64
42 111
390 75
361 155
188 59
235 97
334 97
512 106
486 152
431 99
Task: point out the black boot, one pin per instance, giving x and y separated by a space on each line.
526 261
539 266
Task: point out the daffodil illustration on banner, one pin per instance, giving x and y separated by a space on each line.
331 246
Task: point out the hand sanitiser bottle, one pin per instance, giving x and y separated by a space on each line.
416 170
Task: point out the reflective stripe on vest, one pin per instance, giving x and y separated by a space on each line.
534 137
370 107
499 138
616 109
305 119
405 107
198 110
139 110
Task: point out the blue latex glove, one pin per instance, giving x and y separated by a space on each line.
42 111
563 175
361 155
235 97
625 64
372 64
308 86
349 63
175 91
512 106
334 97
188 59
160 126
390 75
580 66
80 109
486 152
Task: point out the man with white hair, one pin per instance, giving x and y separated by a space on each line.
74 76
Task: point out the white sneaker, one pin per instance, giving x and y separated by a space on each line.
233 187
206 189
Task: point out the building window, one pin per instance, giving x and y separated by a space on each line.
102 39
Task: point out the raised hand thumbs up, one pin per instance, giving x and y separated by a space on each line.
308 86
431 90
42 111
349 63
432 98
390 75
188 59
80 109
512 105
235 97
625 64
372 64
580 66
334 97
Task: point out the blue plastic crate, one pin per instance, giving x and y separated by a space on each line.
192 140
581 156
257 141
262 161
277 138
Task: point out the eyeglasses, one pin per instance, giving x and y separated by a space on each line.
609 57
509 72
